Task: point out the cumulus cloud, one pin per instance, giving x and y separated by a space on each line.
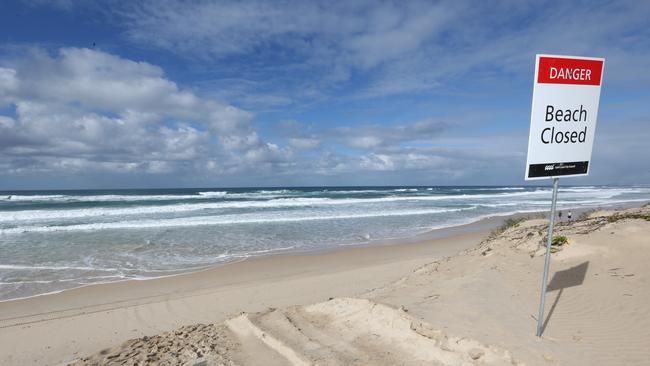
300 135
358 63
83 109
422 165
402 151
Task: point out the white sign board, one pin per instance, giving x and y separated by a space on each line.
563 116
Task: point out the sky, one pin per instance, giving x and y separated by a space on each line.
161 94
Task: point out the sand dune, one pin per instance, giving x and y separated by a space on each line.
597 310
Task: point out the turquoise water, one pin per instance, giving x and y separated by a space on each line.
55 240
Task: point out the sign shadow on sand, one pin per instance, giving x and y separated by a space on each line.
571 277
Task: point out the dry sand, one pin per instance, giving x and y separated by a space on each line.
420 303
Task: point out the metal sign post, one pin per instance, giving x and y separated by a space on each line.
547 260
566 95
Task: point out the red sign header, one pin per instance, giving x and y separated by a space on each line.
558 70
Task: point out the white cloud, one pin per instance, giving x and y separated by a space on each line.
314 45
397 48
100 81
88 110
376 136
8 84
304 142
377 162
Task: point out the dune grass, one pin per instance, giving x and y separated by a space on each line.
507 224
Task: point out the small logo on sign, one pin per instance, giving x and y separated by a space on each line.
548 167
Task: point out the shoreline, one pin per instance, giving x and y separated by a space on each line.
88 319
487 222
483 225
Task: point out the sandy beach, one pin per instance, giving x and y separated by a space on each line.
459 297
316 183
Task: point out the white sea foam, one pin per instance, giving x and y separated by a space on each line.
275 191
137 197
35 215
47 197
498 189
99 198
570 196
57 268
269 194
352 192
213 193
216 220
63 279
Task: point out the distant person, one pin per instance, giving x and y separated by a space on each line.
560 215
569 215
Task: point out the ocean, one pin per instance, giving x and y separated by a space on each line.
56 240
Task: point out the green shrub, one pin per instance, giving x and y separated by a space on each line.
559 240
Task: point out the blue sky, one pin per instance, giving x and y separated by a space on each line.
254 93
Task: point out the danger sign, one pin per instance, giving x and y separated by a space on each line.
563 117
